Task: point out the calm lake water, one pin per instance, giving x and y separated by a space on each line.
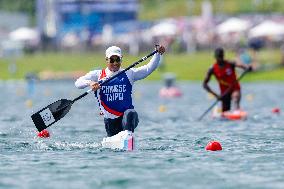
170 141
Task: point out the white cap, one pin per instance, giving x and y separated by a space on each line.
113 50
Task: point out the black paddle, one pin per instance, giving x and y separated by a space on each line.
225 93
57 110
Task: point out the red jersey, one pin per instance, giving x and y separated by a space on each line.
226 77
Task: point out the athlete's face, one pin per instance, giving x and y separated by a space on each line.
219 57
113 63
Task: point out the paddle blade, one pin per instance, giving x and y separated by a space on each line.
51 114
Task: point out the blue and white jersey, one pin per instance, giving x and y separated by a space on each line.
115 96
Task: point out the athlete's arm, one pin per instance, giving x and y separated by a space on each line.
144 71
241 65
206 81
88 80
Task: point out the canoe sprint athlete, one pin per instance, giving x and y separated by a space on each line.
225 74
115 97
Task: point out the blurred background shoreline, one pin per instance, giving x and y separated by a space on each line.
60 39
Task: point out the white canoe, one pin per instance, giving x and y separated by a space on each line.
124 140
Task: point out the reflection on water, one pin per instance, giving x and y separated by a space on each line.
170 141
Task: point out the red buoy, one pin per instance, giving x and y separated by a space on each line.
213 146
276 110
43 134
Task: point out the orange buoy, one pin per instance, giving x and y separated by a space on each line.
43 134
213 146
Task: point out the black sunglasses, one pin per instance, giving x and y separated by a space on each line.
114 59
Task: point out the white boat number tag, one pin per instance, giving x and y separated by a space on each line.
47 116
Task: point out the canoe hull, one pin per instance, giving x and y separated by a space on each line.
230 115
124 140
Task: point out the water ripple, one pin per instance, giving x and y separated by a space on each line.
170 143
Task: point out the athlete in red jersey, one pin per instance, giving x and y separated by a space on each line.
224 72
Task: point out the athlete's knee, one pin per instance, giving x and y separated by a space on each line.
236 95
130 120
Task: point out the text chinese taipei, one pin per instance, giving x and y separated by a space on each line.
114 92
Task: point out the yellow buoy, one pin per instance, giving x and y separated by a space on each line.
249 97
162 108
210 96
29 103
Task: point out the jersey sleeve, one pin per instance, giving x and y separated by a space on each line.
143 71
85 80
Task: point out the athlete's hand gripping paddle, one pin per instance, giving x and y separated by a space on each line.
225 93
57 110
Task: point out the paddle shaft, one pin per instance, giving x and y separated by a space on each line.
111 78
225 93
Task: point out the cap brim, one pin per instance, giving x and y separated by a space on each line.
114 54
